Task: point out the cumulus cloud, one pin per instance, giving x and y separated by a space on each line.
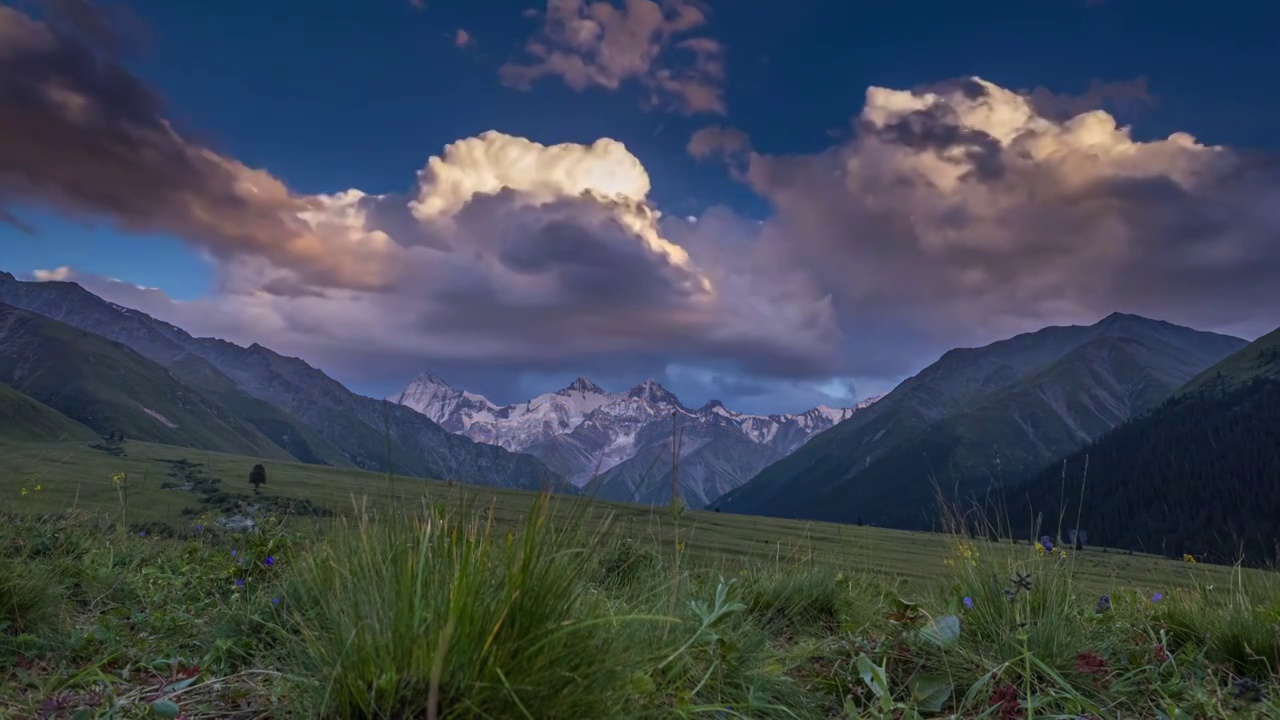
600 44
718 141
961 213
1125 97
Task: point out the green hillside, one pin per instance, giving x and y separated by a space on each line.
1260 359
1200 474
110 388
22 418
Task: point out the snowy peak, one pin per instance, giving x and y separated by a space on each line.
651 391
582 386
583 431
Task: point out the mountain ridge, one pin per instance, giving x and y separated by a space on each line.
982 416
300 400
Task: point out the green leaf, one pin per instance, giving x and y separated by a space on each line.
871 675
943 631
931 691
165 709
180 685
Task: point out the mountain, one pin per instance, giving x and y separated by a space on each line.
980 417
295 405
1199 474
618 445
108 387
26 420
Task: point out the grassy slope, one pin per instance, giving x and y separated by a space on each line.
107 386
73 475
1260 358
22 418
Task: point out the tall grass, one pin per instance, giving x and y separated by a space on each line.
441 613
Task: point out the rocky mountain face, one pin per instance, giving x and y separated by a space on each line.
618 445
298 407
980 417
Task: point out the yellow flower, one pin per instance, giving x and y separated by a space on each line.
117 478
1062 554
1188 558
1039 549
37 488
24 491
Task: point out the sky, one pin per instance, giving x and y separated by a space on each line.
774 204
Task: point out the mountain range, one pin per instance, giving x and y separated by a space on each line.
1170 435
618 445
982 417
153 376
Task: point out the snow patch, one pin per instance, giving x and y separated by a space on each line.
163 420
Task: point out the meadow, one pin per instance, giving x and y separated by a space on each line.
122 596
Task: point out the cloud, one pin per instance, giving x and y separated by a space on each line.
84 136
961 213
955 214
717 140
1125 97
599 44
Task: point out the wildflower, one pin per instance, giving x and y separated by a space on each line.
142 533
1047 543
269 561
1157 597
1010 594
1249 690
968 602
234 553
1039 549
117 478
1161 654
239 582
23 491
1188 557
38 488
275 601
199 528
1104 604
1062 554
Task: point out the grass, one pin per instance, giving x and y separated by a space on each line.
422 600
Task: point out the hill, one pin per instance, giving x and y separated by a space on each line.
982 417
294 403
1200 474
23 418
110 388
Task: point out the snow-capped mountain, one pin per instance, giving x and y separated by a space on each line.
620 443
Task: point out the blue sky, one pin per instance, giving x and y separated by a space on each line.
327 96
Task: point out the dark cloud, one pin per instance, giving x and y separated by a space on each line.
1125 98
937 128
85 136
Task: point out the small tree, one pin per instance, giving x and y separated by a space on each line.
258 478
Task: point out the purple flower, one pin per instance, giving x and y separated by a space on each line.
239 582
142 533
275 601
1104 603
1047 543
1157 597
269 561
968 602
233 553
199 528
